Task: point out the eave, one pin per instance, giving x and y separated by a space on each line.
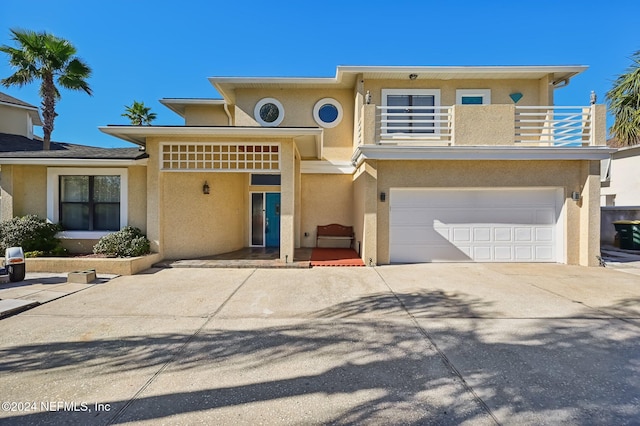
308 139
346 76
178 105
378 152
59 162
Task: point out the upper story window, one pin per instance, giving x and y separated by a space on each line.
473 96
269 112
327 112
410 110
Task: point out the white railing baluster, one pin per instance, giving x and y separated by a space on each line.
553 125
415 124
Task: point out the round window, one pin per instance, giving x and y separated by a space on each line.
327 112
269 112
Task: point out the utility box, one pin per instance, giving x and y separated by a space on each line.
629 234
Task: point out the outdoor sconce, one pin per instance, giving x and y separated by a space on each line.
413 76
383 196
575 196
205 188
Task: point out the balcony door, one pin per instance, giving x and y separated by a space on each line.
410 111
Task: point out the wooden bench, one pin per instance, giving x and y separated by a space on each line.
335 232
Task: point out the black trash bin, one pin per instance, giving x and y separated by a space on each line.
629 234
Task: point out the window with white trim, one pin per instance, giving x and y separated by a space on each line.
473 96
269 112
410 110
87 202
327 113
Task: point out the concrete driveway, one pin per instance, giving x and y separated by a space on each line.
413 344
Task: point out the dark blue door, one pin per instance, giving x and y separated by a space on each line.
272 220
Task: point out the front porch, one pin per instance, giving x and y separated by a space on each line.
269 258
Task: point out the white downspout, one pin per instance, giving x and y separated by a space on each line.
226 110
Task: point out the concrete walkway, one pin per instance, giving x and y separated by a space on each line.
38 288
413 344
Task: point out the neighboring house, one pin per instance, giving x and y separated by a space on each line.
620 192
426 163
621 178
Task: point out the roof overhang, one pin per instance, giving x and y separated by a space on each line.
308 139
61 162
384 152
346 76
178 105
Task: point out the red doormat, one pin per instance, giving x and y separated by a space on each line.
335 257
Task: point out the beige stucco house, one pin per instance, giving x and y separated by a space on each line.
428 164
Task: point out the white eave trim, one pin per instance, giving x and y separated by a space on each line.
471 69
326 167
376 152
84 162
138 134
177 104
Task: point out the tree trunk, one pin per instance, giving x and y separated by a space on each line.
48 109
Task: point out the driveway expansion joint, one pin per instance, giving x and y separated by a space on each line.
443 357
117 415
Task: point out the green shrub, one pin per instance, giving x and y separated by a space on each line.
29 232
128 242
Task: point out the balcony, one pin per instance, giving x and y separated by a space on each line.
482 125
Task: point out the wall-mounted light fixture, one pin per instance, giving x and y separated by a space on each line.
413 76
575 196
205 188
383 196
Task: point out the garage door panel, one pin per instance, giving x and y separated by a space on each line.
544 234
481 233
482 253
503 253
418 235
462 234
429 253
523 253
503 233
483 225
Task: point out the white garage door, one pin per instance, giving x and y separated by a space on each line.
475 225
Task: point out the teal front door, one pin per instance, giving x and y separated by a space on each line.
272 220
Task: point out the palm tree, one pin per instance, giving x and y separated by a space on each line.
139 114
49 59
624 104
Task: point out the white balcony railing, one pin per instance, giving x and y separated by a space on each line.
526 125
553 125
418 124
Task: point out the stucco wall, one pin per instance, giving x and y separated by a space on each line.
298 106
483 124
326 199
14 121
29 190
571 175
137 211
500 89
195 224
205 115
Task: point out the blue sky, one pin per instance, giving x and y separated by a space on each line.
147 50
